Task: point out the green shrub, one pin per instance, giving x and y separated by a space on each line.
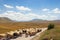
50 26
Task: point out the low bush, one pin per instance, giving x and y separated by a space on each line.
50 26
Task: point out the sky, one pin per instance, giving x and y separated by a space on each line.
25 10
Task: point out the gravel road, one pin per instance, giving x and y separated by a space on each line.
29 38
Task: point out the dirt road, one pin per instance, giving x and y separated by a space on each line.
30 38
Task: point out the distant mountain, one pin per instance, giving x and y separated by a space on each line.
5 19
39 21
55 21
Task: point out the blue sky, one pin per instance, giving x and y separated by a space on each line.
24 10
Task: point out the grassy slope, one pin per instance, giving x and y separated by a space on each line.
5 27
54 33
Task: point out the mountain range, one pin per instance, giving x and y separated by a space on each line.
5 19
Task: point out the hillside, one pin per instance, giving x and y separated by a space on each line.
4 20
54 33
39 21
7 24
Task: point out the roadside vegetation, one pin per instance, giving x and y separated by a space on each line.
50 26
53 32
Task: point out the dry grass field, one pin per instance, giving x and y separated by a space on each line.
54 33
6 27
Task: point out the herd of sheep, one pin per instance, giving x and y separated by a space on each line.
18 33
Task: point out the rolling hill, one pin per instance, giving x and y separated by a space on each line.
5 20
6 23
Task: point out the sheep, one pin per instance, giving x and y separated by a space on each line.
1 37
6 36
16 31
15 35
38 30
31 32
27 33
24 31
19 32
11 32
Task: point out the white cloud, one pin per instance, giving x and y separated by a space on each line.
23 8
26 17
8 6
45 9
52 17
55 10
